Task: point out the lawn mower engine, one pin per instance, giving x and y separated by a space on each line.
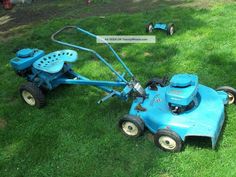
181 93
24 59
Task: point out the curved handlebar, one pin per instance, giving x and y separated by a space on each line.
53 37
59 31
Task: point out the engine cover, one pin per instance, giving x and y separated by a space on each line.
25 58
182 89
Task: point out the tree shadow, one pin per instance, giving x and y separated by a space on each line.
41 11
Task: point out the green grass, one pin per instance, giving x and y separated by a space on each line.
73 136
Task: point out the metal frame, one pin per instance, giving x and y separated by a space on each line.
26 63
106 86
161 26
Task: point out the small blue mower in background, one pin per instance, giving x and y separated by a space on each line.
169 28
172 110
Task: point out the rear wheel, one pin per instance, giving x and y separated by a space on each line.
231 93
32 95
168 140
131 126
170 29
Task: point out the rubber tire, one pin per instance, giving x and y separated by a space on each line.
228 89
147 27
35 92
136 121
172 135
169 27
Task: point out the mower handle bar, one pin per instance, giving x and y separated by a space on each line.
53 37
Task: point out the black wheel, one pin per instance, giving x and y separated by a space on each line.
149 28
157 81
131 126
231 93
168 140
32 95
170 29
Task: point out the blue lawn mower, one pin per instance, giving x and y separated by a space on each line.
168 28
172 110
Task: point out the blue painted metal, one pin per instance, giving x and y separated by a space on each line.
106 89
92 51
161 26
25 53
184 80
204 119
90 82
54 62
25 58
182 89
52 70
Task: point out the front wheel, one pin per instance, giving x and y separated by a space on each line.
32 95
231 93
168 140
131 126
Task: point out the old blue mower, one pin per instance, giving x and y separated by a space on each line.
178 109
168 28
172 110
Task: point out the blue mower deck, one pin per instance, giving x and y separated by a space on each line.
205 120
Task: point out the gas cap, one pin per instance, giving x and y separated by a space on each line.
25 53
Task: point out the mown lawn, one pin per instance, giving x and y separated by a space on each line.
73 136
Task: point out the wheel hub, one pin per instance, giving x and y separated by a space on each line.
130 128
171 30
28 97
150 28
231 98
167 142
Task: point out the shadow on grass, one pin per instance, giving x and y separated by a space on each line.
73 136
215 68
198 142
40 11
223 62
